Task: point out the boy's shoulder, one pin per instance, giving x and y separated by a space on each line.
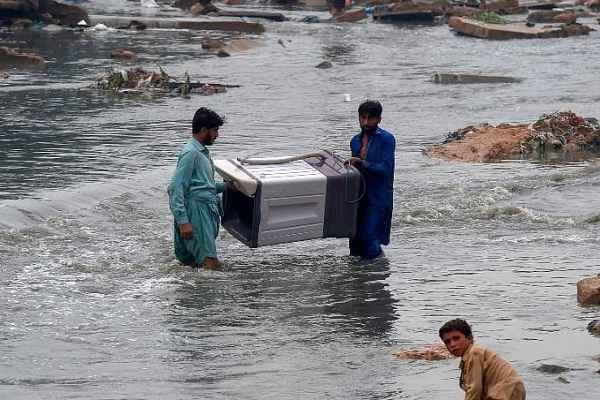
480 351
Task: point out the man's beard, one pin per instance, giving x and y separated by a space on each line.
368 130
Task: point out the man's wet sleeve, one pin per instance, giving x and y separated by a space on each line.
180 183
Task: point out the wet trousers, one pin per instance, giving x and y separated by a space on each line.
372 231
205 220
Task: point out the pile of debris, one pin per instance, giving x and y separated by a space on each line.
562 131
434 352
560 134
139 80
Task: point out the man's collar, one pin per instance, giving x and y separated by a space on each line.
467 352
198 145
377 132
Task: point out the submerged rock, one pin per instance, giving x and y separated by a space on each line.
594 328
324 65
471 78
13 58
223 53
588 291
134 25
552 369
223 49
430 353
123 54
563 134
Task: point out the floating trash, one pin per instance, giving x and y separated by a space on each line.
139 80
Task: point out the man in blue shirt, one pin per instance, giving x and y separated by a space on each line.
373 153
193 195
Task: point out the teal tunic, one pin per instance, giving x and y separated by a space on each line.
193 198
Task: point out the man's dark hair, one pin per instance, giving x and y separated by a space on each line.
459 325
372 108
206 118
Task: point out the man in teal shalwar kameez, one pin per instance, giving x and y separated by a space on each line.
193 195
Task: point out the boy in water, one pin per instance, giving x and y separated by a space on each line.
483 374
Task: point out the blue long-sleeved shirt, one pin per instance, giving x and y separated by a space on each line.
194 179
377 167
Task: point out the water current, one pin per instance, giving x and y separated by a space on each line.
95 306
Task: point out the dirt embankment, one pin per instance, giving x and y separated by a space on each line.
561 134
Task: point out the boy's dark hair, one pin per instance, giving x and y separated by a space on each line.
206 118
372 108
459 325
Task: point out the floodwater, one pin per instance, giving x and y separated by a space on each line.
95 306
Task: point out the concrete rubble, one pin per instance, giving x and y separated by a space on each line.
558 135
594 328
446 78
552 16
588 291
518 30
180 23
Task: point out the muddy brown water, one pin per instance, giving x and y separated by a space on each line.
96 307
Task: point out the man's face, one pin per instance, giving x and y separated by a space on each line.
209 135
456 342
367 123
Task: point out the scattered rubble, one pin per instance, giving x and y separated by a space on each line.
517 30
196 7
594 328
4 75
433 352
223 49
223 53
588 291
552 369
203 9
410 10
134 25
11 58
561 134
471 78
324 65
354 15
237 25
552 16
273 16
123 54
138 80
